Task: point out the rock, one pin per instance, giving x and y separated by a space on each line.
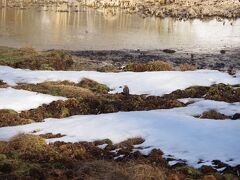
219 164
170 51
126 90
231 71
223 51
236 116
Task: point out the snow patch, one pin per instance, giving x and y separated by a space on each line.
174 131
152 83
21 100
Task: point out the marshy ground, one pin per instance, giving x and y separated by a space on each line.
28 156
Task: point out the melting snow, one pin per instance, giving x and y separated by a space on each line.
20 100
174 131
153 83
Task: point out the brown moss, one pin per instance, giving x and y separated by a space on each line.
64 88
54 60
213 114
51 135
187 67
108 68
29 50
27 156
219 92
222 92
98 104
150 66
29 58
11 118
93 86
26 143
191 92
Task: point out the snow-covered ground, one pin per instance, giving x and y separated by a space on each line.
20 100
175 131
153 83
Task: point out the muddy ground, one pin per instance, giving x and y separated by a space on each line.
219 60
29 157
118 60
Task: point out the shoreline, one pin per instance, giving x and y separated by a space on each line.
182 10
221 60
117 60
40 149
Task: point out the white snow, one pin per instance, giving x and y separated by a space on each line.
174 131
20 100
153 83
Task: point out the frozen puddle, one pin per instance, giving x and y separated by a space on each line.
153 83
20 100
174 131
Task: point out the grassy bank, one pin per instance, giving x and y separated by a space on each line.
28 156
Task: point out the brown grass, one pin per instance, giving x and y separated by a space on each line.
94 86
28 156
150 66
187 67
213 114
28 49
51 135
11 118
64 88
218 92
26 143
222 92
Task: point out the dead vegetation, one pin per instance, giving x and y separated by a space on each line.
218 92
90 97
187 67
64 88
29 157
213 114
51 135
150 66
93 86
30 58
98 105
11 118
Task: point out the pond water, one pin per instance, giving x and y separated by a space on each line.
92 29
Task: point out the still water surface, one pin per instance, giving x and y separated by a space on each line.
97 30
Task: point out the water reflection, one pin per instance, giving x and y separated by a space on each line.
111 29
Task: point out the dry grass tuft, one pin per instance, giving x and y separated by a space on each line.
94 86
222 92
29 50
26 143
64 88
150 66
213 114
187 67
11 118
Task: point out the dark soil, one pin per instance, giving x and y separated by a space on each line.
216 61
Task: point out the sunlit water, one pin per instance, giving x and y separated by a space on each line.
96 30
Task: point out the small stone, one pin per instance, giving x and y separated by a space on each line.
126 90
